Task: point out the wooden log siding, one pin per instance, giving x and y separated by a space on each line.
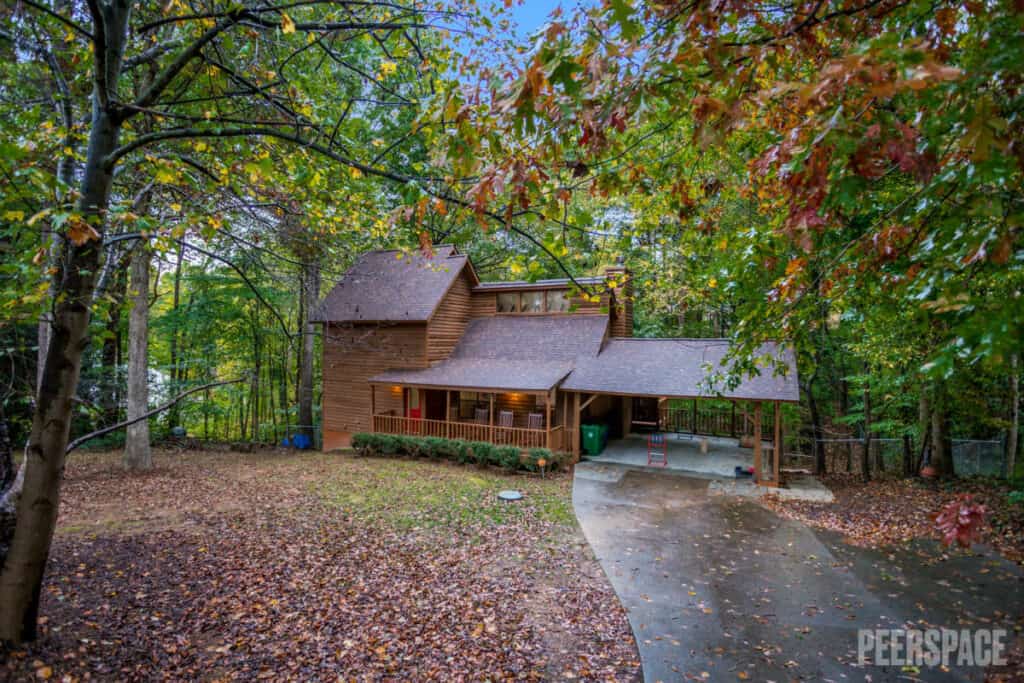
483 304
353 354
449 321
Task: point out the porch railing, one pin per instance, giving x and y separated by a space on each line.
467 431
711 421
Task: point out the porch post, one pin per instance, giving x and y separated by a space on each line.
373 408
694 416
627 415
490 418
733 428
547 422
447 413
777 446
576 427
757 443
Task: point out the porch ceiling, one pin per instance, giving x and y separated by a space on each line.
483 374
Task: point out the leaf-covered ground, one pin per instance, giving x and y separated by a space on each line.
895 511
221 566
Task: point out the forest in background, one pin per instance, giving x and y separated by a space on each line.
181 183
236 263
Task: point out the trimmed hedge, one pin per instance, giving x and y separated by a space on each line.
464 452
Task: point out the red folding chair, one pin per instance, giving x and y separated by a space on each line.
656 444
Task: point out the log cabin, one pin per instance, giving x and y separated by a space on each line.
417 344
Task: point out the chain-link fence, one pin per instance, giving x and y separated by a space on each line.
970 456
977 457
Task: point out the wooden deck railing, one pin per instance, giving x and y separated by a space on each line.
467 431
712 421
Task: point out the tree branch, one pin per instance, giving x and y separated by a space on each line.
127 423
366 169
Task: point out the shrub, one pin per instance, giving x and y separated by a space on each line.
464 452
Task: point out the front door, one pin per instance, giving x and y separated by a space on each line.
433 404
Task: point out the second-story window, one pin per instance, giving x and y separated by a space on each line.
533 302
508 302
558 300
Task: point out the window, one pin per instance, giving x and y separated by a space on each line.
508 302
558 300
533 302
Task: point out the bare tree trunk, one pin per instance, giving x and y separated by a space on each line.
311 295
924 418
8 494
173 416
1014 433
865 456
942 446
817 447
137 454
21 577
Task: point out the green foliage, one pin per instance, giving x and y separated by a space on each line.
463 452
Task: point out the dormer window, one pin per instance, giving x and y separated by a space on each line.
508 302
533 302
558 300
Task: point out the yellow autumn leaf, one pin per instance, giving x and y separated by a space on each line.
287 25
712 283
355 172
387 68
14 215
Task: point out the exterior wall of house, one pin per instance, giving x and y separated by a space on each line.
351 355
483 304
449 322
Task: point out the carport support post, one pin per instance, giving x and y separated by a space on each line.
373 407
490 418
758 475
777 446
448 413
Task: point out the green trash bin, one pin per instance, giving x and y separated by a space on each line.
591 438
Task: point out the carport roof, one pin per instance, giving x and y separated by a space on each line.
683 368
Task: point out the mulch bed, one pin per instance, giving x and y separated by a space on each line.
895 511
243 578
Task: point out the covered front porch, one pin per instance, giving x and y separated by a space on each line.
525 419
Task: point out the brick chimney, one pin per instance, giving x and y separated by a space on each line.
620 303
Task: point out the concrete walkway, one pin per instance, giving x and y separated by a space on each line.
719 588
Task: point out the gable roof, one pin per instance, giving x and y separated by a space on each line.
381 287
521 353
681 368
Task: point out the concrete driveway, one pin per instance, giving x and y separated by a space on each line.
722 589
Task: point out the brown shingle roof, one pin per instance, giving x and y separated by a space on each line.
558 337
381 287
484 374
524 353
539 284
679 368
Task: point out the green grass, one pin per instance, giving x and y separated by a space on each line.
416 494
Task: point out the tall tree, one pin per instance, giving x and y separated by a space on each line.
137 453
242 78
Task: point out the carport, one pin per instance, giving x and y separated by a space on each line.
680 386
